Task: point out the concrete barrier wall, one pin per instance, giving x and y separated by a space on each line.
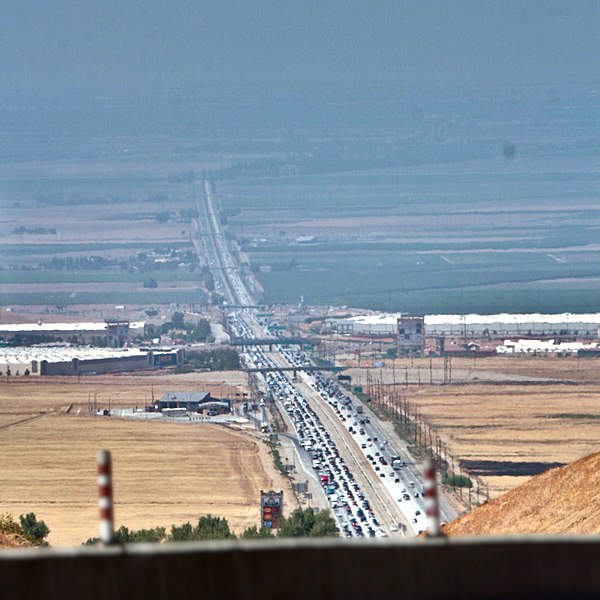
308 569
99 365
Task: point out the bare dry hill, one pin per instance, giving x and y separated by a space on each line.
561 500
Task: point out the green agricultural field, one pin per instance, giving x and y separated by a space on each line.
150 297
486 236
100 276
47 250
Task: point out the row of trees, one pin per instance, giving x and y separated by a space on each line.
300 523
77 263
170 260
35 230
186 214
77 198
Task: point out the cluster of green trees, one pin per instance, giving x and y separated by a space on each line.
207 279
194 332
221 359
186 214
300 523
171 260
305 523
27 527
150 283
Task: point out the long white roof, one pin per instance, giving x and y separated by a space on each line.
56 354
48 327
547 346
475 319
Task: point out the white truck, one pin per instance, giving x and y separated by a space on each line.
397 463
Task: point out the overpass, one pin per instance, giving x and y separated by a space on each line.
284 341
228 306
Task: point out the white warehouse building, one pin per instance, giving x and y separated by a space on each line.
76 360
474 325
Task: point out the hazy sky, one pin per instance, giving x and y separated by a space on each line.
176 44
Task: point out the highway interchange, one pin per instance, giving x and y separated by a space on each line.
341 439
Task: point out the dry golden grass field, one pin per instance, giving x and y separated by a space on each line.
507 431
163 473
507 418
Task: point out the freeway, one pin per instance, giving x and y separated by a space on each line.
347 447
308 368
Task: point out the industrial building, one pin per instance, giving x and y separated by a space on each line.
73 360
473 325
411 335
504 324
114 333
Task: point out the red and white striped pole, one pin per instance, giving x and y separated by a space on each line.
105 499
432 505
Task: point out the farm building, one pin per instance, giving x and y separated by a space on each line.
194 402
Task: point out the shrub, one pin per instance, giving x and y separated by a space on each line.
454 480
28 527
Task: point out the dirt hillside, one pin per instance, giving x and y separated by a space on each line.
13 540
561 500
